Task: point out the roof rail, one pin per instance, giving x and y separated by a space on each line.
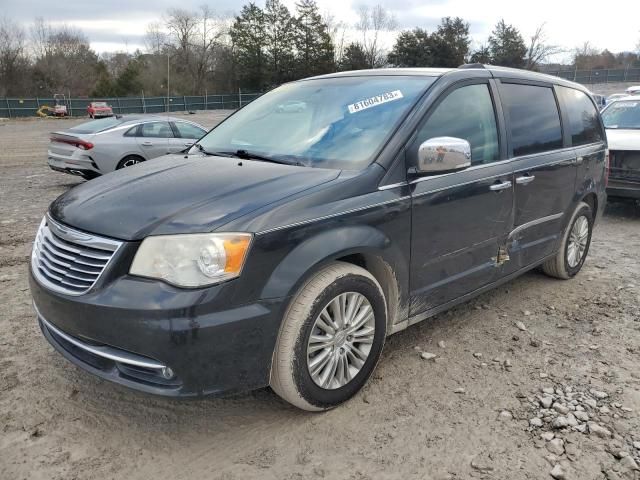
472 65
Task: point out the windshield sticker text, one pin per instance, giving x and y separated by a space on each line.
375 101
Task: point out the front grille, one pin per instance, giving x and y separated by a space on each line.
67 260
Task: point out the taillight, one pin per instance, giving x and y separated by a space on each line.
76 142
607 163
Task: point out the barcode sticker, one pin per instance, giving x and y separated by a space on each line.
375 101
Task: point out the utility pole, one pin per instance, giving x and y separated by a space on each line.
168 80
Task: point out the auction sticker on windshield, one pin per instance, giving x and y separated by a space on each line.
375 101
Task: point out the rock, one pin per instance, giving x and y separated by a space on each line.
505 415
441 344
560 422
535 422
561 409
552 459
579 408
600 395
556 446
521 326
636 445
515 338
481 464
571 419
546 401
590 402
572 451
581 415
604 410
477 355
507 364
544 375
626 409
558 473
459 390
580 428
548 390
598 430
534 343
427 356
547 436
526 313
628 463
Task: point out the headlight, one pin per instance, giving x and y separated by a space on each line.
192 260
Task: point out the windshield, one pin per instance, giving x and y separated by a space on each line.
96 126
99 104
331 123
622 114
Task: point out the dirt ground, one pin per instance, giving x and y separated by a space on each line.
465 414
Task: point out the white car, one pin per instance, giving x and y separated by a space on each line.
101 146
634 90
622 123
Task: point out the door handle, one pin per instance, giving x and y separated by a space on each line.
496 187
525 180
147 144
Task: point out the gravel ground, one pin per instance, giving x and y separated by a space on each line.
539 377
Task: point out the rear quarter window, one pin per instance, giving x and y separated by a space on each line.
534 120
584 121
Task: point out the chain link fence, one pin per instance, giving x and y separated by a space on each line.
589 77
28 107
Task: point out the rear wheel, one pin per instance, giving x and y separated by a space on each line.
575 245
129 161
331 338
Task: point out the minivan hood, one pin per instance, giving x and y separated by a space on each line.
180 194
623 139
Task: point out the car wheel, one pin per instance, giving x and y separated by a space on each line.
575 245
331 338
129 161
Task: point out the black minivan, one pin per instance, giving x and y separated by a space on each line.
331 212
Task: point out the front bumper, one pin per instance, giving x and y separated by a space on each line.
131 330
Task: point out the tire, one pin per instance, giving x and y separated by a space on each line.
129 161
562 265
89 175
291 377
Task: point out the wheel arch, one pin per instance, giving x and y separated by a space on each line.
361 245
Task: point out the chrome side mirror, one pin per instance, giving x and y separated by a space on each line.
443 154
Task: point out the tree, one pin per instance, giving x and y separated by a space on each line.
354 58
507 46
450 43
373 22
539 50
14 64
248 37
313 43
279 41
413 48
482 55
155 38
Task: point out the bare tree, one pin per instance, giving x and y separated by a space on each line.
539 50
372 23
155 38
337 31
13 58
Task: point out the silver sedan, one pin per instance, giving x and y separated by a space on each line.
101 146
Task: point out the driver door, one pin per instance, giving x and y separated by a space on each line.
460 219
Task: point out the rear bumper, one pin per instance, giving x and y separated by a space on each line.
622 188
76 164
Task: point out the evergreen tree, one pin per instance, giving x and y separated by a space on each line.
507 46
248 38
279 42
450 42
412 49
354 58
315 53
482 55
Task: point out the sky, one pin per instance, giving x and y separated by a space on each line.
119 25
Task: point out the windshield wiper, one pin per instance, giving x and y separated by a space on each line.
246 155
203 150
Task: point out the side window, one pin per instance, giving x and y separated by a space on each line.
466 113
156 130
132 132
186 130
533 118
584 124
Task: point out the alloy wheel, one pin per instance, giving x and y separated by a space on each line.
578 239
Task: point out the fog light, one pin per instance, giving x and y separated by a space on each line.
167 373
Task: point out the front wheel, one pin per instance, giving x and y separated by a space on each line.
331 338
575 245
129 161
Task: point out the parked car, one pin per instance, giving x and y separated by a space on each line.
101 146
290 242
601 100
615 96
99 109
622 123
634 90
